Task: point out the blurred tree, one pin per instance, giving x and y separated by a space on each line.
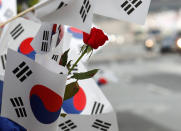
29 3
32 2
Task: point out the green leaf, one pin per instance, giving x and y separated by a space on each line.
71 90
64 58
85 75
63 115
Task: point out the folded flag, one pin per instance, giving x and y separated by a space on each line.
20 31
42 41
89 100
50 7
76 13
128 10
33 95
17 36
101 122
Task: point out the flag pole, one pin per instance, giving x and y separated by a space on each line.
26 11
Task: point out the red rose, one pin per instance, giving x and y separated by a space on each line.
95 39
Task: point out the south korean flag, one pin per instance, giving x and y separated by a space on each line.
19 35
77 13
89 100
102 122
128 10
88 109
32 94
42 41
60 44
50 7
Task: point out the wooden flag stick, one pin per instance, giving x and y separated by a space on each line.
26 11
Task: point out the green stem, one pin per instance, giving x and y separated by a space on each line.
85 51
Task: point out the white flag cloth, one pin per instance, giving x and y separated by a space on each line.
57 47
89 109
32 94
50 7
42 41
128 10
18 31
18 36
103 122
89 100
8 9
77 13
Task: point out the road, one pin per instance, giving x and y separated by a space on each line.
147 92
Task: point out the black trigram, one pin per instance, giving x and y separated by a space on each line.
130 5
22 72
55 57
85 9
97 108
62 4
17 31
3 61
67 125
44 46
19 107
100 125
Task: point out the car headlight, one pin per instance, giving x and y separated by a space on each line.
149 43
179 42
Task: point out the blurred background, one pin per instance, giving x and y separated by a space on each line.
141 67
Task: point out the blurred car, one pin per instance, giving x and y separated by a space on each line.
149 43
156 33
171 44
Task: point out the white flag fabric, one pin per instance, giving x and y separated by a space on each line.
8 9
128 10
103 122
20 31
89 109
32 94
42 41
54 55
17 36
77 13
89 100
60 43
57 47
50 7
